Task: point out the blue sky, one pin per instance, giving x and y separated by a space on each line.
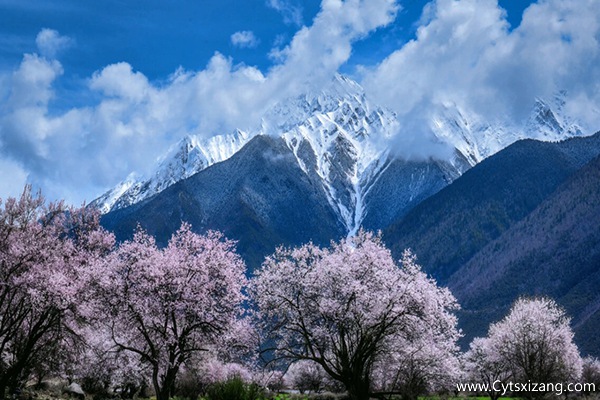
154 36
80 81
157 36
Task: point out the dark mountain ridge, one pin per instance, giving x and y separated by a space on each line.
448 228
258 197
522 223
554 251
263 197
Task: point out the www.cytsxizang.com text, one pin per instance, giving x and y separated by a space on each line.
505 388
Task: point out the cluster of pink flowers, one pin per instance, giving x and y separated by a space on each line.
74 302
357 315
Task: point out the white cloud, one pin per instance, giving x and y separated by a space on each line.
317 52
118 80
244 39
13 179
290 10
465 54
31 82
50 43
81 152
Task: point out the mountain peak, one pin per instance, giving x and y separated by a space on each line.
344 87
547 121
188 156
293 111
342 139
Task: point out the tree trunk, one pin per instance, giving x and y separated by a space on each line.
156 384
7 383
14 387
164 389
162 394
359 389
169 381
2 389
494 395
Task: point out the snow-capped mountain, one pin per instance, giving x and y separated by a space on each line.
549 122
478 139
342 141
336 135
189 156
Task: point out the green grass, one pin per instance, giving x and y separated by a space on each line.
464 398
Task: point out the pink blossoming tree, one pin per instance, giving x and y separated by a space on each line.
166 305
347 308
306 376
101 368
426 362
45 249
484 364
591 374
534 342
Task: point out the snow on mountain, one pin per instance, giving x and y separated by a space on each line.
106 202
346 135
478 139
548 121
189 156
342 141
